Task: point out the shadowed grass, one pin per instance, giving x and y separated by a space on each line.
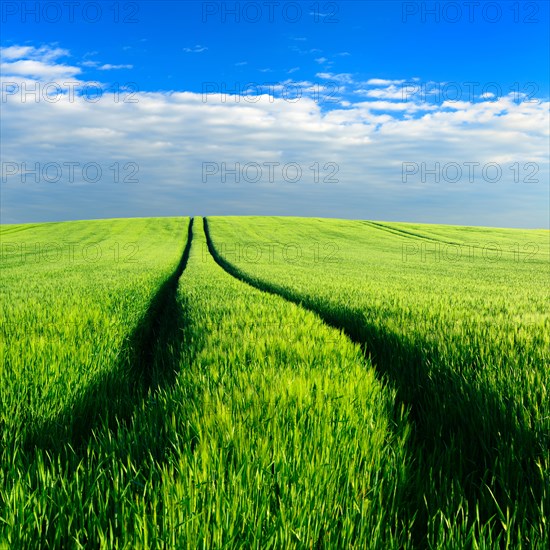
147 361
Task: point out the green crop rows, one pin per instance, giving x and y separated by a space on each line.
457 321
273 383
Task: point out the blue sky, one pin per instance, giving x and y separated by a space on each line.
380 105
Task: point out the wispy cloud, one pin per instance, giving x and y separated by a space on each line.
195 49
45 54
383 82
105 67
305 52
345 78
109 67
388 92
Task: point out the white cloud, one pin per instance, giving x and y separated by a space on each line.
91 133
383 82
390 92
105 66
305 52
38 69
109 67
169 135
43 53
39 63
195 49
16 52
345 78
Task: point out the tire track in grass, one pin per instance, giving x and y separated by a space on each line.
143 366
11 229
409 234
291 435
438 240
407 365
328 320
76 478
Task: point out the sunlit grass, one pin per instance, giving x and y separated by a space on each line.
144 409
464 341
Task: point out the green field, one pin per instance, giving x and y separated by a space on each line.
274 383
